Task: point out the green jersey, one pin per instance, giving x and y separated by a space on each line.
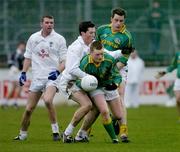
175 64
114 40
106 72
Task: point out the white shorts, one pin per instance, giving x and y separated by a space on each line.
177 85
67 88
109 95
41 84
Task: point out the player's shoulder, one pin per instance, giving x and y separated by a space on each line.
127 32
76 45
85 60
57 35
105 26
36 34
108 57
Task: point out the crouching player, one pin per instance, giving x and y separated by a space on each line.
102 66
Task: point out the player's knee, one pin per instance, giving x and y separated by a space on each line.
104 113
28 112
48 104
178 100
89 106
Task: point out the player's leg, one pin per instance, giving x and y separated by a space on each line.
9 95
177 94
135 96
85 106
17 94
123 127
89 119
117 111
33 99
102 106
48 97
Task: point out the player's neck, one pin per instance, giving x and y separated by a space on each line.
44 33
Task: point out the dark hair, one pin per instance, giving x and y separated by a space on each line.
83 26
46 16
21 43
96 45
118 11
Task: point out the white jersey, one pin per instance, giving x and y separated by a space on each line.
135 70
76 51
123 72
45 53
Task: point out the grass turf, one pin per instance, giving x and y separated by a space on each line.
151 129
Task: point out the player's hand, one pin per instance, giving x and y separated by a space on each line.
111 86
127 50
160 74
53 75
22 78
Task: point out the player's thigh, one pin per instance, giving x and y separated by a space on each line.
81 97
33 99
100 102
116 107
177 94
49 94
121 89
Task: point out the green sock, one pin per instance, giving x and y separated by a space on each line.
109 128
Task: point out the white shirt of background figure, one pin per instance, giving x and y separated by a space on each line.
134 78
135 68
45 53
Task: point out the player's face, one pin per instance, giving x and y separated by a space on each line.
97 55
117 22
47 25
89 35
22 47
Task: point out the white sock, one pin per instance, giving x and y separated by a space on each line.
69 129
55 128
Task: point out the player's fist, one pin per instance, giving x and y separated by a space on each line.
53 75
127 50
22 78
111 86
160 74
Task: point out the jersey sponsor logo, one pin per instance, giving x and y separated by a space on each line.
109 43
43 53
50 44
116 40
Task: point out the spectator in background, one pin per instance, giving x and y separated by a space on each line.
134 77
155 19
16 64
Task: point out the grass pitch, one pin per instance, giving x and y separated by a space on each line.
151 129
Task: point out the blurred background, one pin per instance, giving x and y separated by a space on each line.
156 36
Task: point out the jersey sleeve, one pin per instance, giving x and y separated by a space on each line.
73 62
28 52
173 64
62 50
